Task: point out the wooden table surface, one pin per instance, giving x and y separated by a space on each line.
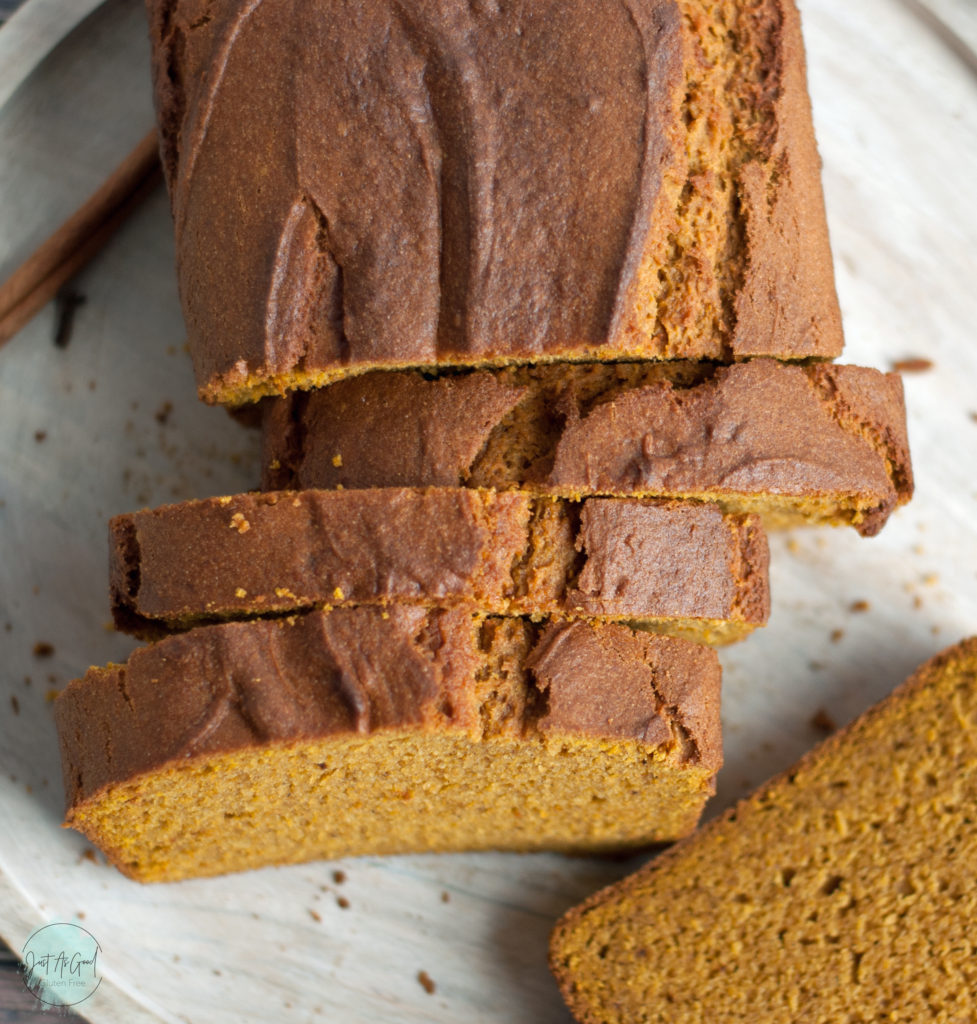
17 1005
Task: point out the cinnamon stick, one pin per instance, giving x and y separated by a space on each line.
79 238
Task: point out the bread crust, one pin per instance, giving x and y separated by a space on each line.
431 185
817 443
267 688
674 566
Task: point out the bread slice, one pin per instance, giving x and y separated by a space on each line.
824 443
841 891
363 731
676 568
455 184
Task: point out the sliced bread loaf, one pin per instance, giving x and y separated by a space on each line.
362 731
822 443
677 568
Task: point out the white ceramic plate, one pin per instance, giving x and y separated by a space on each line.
86 433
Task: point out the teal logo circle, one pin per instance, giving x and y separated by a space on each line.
60 964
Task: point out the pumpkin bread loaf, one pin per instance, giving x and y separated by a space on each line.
443 183
822 443
678 568
361 731
842 891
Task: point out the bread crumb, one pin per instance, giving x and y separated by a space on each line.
66 305
338 593
793 546
42 649
240 592
339 877
52 695
823 722
87 854
836 635
162 414
315 916
15 704
931 579
915 364
917 602
426 982
445 897
342 902
239 523
859 606
337 461
40 436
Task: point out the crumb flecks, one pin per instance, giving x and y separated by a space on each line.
239 523
822 722
42 649
426 982
914 364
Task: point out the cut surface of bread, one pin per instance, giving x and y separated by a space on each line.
451 184
362 731
675 567
823 443
841 891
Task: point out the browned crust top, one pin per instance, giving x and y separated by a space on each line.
760 429
410 185
498 552
359 671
